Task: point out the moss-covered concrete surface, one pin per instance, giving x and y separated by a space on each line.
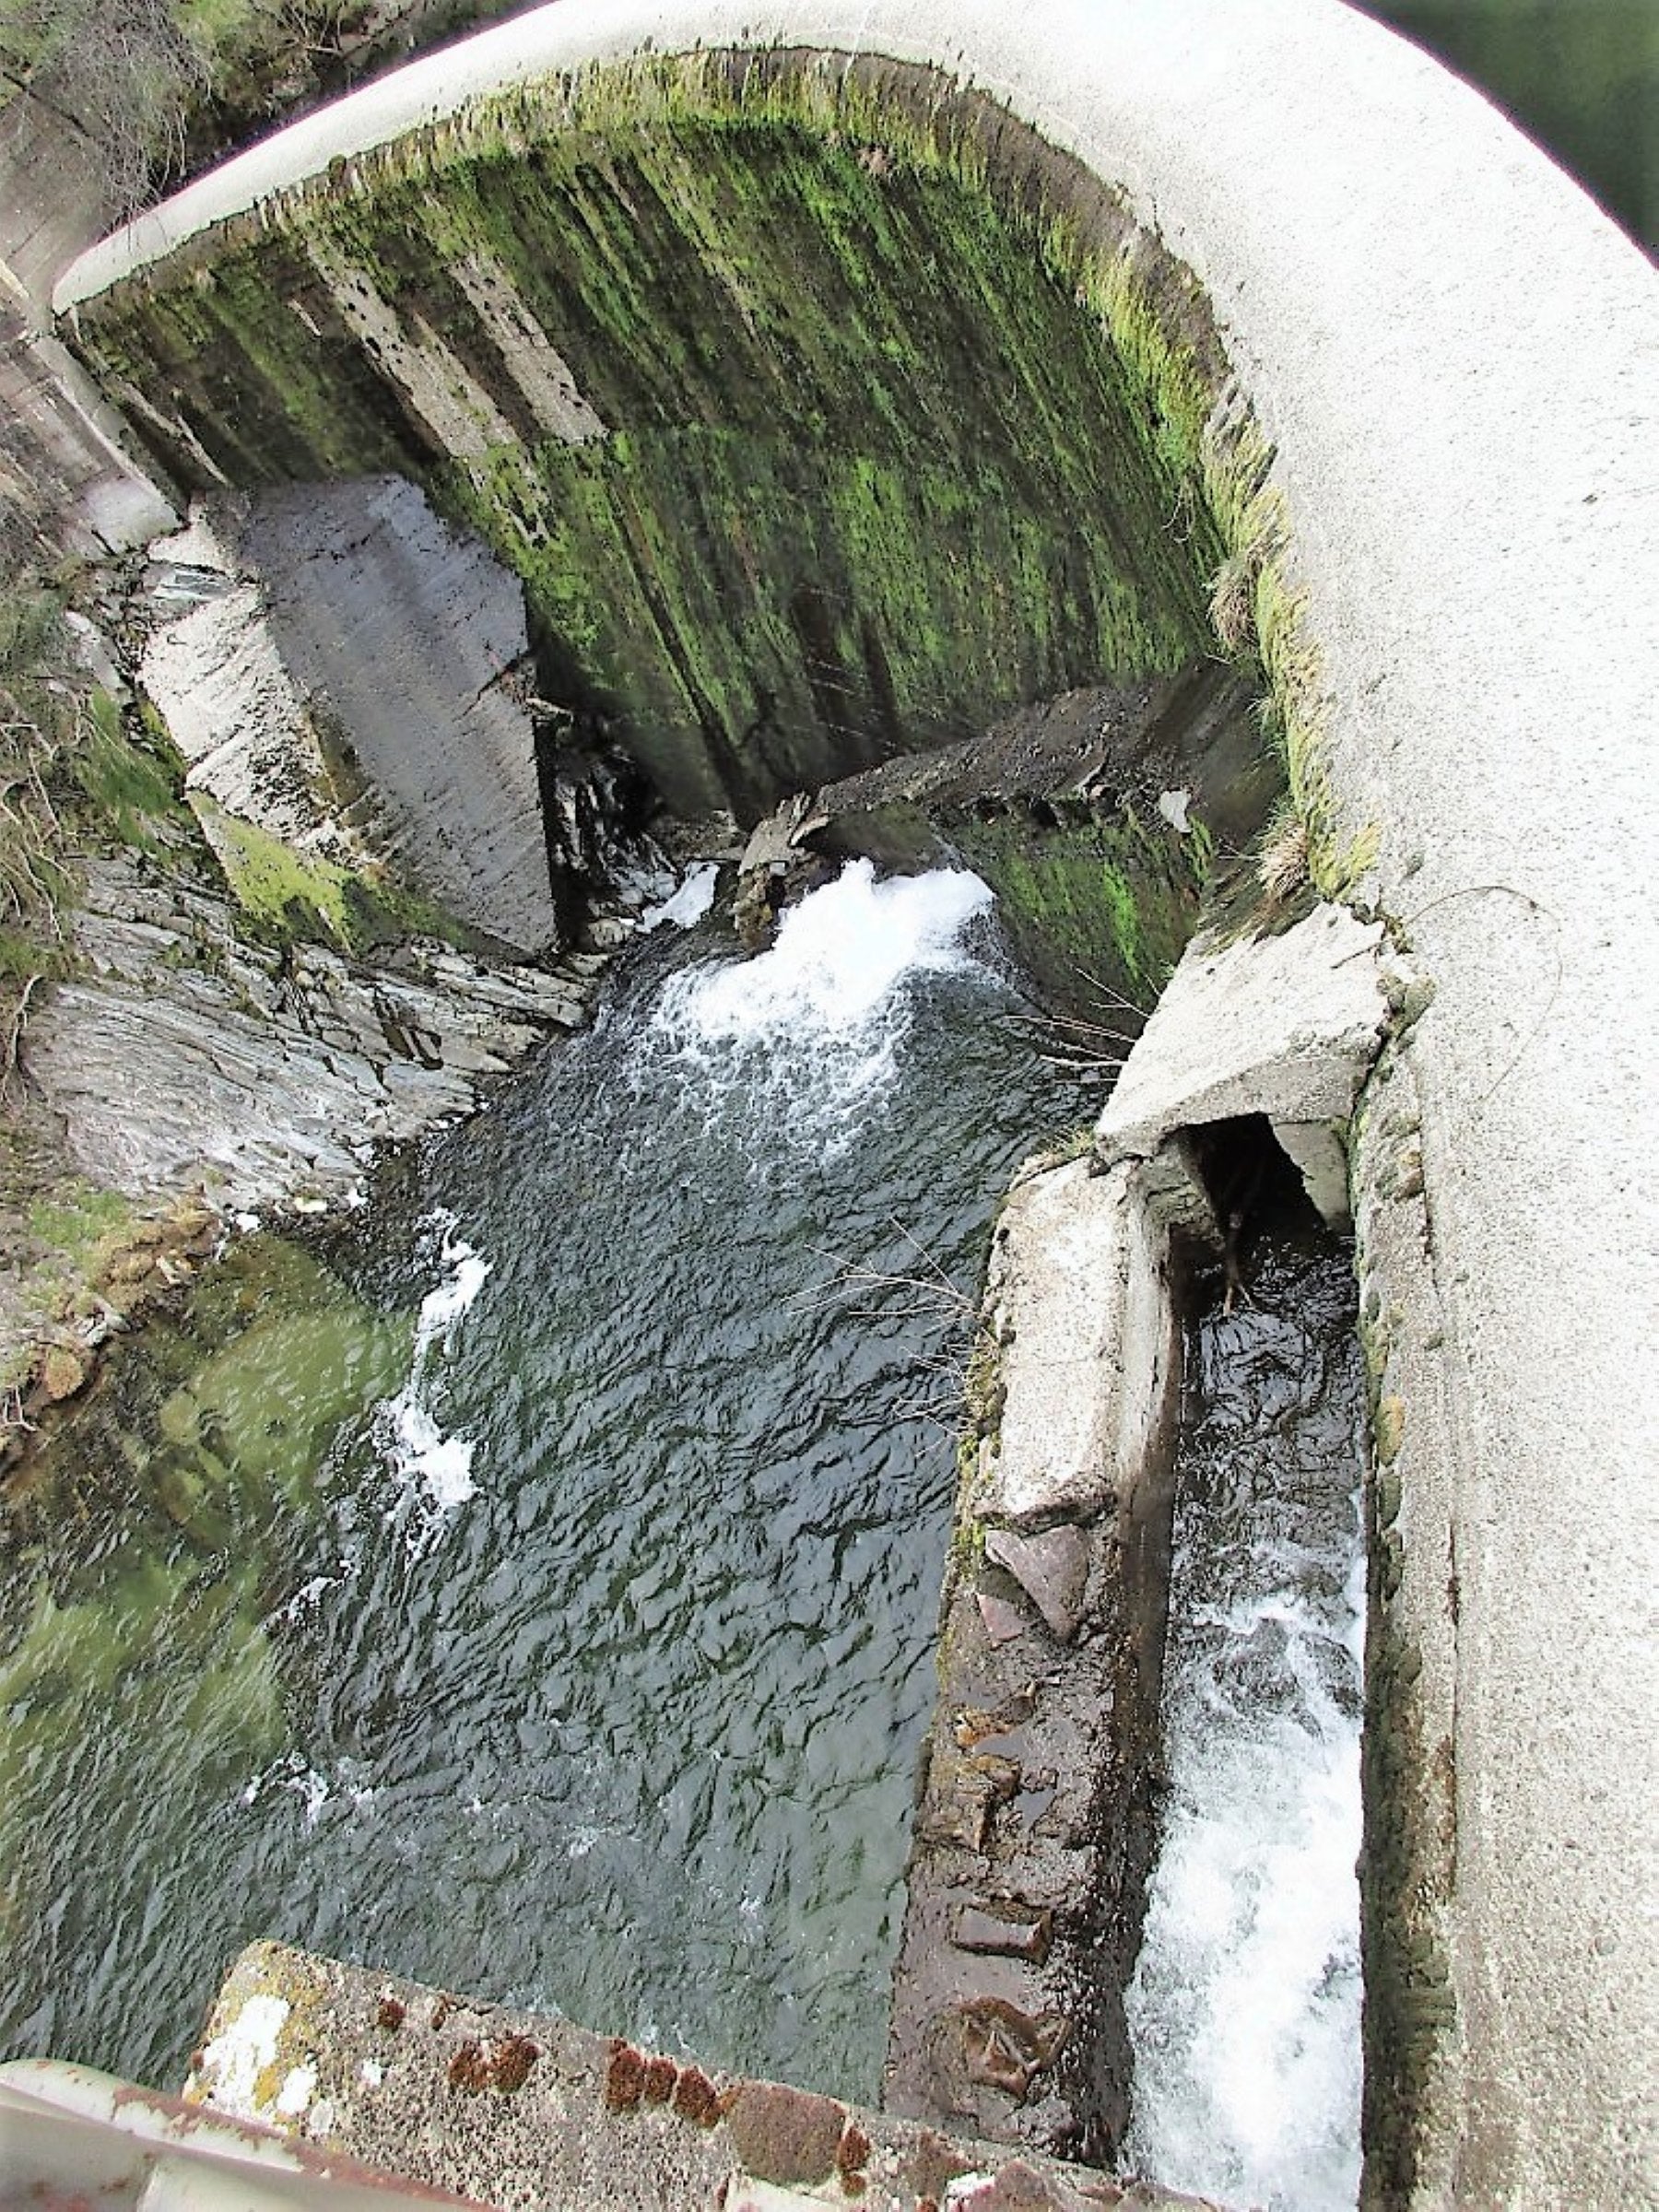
1097 818
792 419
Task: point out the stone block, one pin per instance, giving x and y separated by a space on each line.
1080 1301
1285 1026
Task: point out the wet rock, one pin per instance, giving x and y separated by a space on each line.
1004 1931
754 908
963 1791
774 842
182 1057
778 868
1020 2188
1003 1621
1052 1569
978 1723
1005 2049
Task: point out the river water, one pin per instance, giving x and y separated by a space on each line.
1245 2010
534 1590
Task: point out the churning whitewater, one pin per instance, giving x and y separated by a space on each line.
427 1463
814 1026
1245 2010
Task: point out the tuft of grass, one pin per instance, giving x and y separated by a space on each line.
1282 864
37 738
134 782
76 1221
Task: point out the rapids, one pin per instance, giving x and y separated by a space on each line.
1245 2010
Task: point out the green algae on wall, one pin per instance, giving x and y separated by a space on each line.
1099 907
845 468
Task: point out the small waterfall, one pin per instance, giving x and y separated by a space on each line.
1245 2010
809 1030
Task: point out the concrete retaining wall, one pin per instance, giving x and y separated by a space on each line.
518 2109
1456 360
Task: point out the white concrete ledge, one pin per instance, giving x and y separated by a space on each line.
1078 1294
1286 1026
1457 360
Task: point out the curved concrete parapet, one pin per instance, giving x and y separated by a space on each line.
1456 358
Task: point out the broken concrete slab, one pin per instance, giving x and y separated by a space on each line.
1026 1886
1286 1026
1078 1301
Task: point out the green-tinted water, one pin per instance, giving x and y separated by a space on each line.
627 1725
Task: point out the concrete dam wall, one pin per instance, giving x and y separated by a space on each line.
833 377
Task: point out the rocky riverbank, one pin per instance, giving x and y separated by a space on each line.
232 976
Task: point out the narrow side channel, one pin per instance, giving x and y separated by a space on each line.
1244 2009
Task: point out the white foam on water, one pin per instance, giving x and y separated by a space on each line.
426 1462
1245 2010
817 1020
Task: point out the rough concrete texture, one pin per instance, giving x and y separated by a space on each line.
180 1057
1286 1026
545 380
1035 1811
1456 358
1077 1293
61 458
354 613
1408 1871
516 2109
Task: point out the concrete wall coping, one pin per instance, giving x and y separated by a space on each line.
1456 357
522 2110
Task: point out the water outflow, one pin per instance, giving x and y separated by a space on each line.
582 1664
810 1033
1245 2010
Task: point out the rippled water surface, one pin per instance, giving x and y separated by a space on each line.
1245 2007
539 1598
